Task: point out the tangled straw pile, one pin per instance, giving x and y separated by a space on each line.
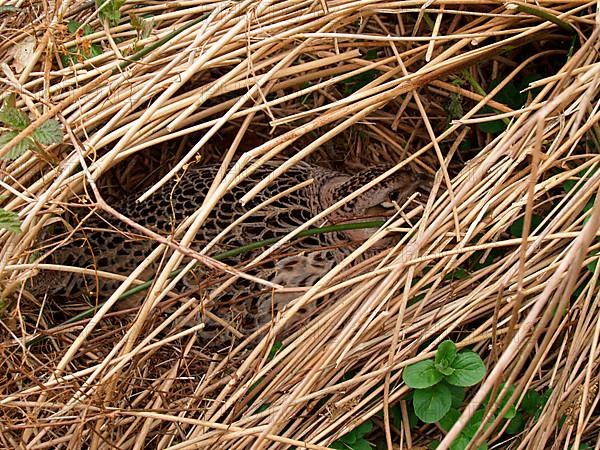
293 79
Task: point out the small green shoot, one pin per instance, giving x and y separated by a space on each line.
438 382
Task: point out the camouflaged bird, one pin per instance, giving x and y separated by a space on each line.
103 243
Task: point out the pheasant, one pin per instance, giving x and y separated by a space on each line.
102 243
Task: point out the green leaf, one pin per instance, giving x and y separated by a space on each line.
445 355
10 221
434 444
585 173
14 118
364 428
73 26
48 133
371 54
18 149
508 95
449 419
413 420
460 443
458 395
339 445
516 424
361 444
433 403
110 9
421 375
396 415
531 402
446 371
277 346
510 413
349 438
469 369
8 8
527 80
263 407
94 50
474 423
592 265
516 229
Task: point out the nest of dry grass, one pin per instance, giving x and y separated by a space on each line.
501 258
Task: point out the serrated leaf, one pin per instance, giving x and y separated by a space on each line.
433 403
18 149
110 9
422 374
10 221
469 369
48 133
73 26
14 118
8 8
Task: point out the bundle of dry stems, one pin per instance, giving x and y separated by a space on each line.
361 81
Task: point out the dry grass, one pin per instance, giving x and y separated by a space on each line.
259 80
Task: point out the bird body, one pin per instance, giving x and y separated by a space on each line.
105 244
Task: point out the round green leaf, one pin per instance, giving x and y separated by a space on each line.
449 419
460 443
421 375
458 395
364 428
469 369
361 444
433 403
516 424
531 402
